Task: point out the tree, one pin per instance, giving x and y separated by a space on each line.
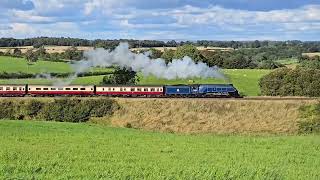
168 55
155 54
17 52
121 76
41 52
190 51
31 56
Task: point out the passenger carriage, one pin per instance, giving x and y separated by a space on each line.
43 90
131 91
12 90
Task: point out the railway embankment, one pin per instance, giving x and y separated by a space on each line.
218 116
270 116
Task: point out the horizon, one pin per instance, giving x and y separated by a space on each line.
165 20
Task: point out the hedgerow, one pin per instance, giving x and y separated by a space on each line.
309 119
63 110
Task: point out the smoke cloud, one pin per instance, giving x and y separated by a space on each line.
123 57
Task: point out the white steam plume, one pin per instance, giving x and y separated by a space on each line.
123 57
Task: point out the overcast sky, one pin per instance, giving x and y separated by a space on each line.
162 19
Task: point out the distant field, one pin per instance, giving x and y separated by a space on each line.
290 62
47 150
246 80
89 80
11 64
49 49
311 54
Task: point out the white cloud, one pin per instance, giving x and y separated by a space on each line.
124 18
104 6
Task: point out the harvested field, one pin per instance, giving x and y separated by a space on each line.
210 115
311 54
49 49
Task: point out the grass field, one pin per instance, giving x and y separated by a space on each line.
46 150
89 80
245 80
11 64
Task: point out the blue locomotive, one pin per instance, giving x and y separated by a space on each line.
201 90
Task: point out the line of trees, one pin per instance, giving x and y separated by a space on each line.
263 58
308 46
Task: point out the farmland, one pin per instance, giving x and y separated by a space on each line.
311 54
43 150
246 80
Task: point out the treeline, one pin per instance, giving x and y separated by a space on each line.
291 82
263 58
63 110
311 46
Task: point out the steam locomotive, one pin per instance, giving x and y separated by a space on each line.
195 90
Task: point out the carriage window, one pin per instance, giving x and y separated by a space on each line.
109 89
8 88
152 89
75 89
68 89
38 89
132 89
139 89
146 89
53 89
60 89
102 89
46 89
82 89
29 89
112 89
1 88
161 89
224 89
14 88
125 89
20 88
218 89
120 89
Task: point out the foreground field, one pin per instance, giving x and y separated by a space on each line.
42 150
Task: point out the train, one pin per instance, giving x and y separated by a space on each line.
178 91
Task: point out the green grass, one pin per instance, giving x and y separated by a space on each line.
89 80
288 61
11 65
47 150
245 80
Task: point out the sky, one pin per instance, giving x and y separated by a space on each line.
162 19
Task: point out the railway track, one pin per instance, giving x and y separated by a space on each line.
255 98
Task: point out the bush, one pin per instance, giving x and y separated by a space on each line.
7 110
309 119
63 110
291 82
